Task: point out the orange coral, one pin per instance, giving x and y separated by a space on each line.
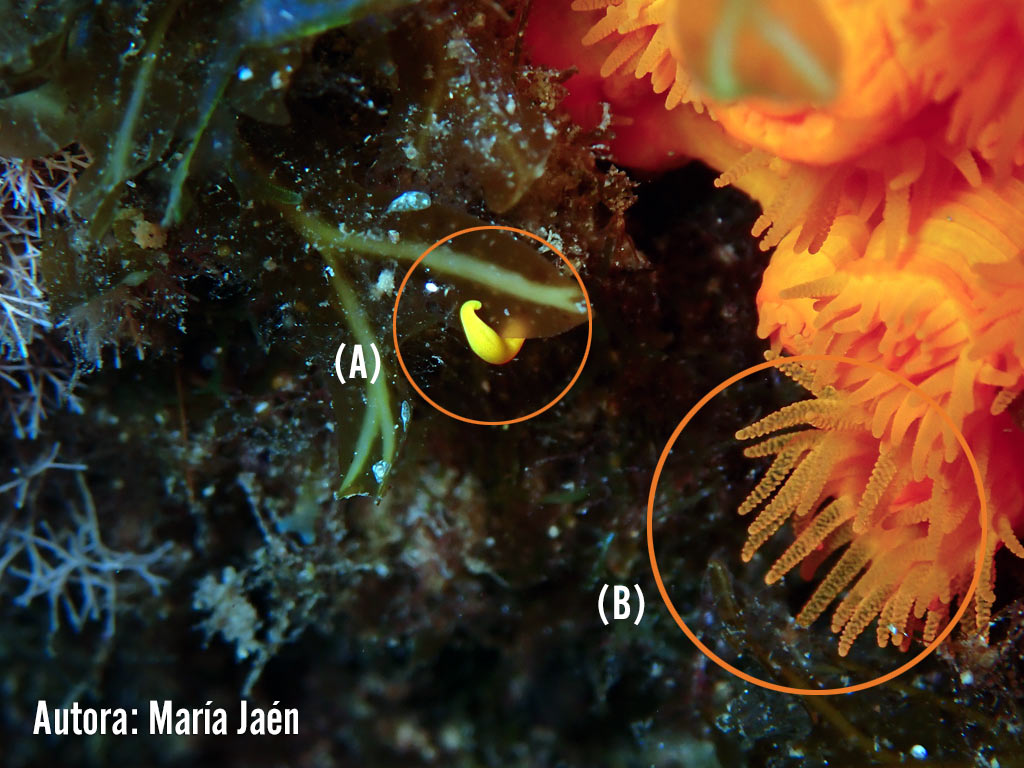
908 545
923 89
896 201
895 58
946 313
928 313
970 53
872 91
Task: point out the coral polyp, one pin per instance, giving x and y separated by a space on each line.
884 143
819 75
933 316
867 69
908 544
928 314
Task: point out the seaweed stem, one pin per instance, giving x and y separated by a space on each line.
325 237
115 172
378 416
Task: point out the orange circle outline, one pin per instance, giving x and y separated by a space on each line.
979 559
560 395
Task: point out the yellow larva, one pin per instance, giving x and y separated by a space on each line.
487 344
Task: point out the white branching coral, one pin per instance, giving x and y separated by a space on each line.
72 568
64 560
34 378
35 386
29 189
19 485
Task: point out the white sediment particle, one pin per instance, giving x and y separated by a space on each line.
409 201
552 237
385 285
